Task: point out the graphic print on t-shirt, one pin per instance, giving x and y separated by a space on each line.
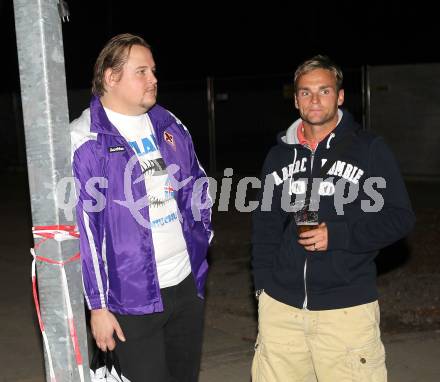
172 259
153 165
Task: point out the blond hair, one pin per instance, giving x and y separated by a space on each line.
319 62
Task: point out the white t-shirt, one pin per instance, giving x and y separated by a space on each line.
172 259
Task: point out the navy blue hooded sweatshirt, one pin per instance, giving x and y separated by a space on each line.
362 199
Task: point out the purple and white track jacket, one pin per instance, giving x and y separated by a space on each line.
117 253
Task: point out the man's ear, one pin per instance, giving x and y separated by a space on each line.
295 101
340 97
110 77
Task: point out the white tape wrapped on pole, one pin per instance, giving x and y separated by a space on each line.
58 233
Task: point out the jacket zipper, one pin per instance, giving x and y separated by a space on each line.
312 157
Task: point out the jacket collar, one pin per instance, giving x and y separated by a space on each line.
160 119
345 125
291 136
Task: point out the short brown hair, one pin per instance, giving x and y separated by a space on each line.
319 62
114 55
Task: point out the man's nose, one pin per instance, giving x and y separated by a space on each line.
153 79
315 98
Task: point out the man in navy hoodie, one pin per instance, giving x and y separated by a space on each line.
318 308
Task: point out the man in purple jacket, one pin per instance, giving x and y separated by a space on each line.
144 219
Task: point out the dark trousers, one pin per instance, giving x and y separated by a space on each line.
166 346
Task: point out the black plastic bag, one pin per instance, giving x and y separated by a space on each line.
105 368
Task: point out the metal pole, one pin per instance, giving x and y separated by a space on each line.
211 125
45 116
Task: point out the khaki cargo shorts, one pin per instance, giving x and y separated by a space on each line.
297 345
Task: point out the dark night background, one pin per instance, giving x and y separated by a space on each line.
240 38
250 49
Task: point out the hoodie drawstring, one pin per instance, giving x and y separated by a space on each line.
291 175
332 135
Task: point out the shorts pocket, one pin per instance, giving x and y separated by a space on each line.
372 312
263 302
258 364
368 363
272 361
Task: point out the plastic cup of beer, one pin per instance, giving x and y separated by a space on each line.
306 219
